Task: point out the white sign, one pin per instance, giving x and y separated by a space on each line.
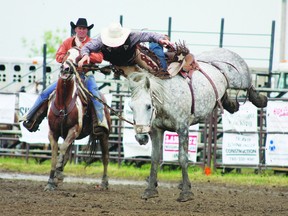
171 145
277 116
7 108
243 120
276 151
26 100
131 147
240 148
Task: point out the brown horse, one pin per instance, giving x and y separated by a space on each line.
70 117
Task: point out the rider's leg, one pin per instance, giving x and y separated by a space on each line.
99 107
159 52
28 119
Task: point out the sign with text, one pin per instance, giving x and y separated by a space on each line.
240 148
276 150
171 145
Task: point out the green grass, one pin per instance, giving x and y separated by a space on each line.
130 172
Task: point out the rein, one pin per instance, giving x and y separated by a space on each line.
98 99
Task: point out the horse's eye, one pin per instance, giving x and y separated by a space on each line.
148 106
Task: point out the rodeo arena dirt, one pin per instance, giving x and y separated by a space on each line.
24 195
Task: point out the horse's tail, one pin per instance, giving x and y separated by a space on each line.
91 149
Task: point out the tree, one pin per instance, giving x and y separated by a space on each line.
52 40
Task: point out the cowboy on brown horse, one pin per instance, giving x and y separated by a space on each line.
39 110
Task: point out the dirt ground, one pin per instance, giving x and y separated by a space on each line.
26 197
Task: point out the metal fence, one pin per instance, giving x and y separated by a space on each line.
209 147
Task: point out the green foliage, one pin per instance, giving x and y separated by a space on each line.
52 41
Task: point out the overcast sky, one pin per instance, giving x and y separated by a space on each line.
31 18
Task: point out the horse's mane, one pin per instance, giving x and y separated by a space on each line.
147 81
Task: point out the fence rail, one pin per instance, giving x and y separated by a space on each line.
209 148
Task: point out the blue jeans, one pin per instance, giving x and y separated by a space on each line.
90 84
159 52
92 87
41 99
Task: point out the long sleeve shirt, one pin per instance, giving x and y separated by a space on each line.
69 43
96 45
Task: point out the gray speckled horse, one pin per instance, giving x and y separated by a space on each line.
160 105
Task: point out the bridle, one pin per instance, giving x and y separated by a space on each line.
147 128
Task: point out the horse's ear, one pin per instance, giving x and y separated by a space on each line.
147 83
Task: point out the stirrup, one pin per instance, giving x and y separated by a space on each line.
97 124
31 126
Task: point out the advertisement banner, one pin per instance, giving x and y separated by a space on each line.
171 145
276 150
239 147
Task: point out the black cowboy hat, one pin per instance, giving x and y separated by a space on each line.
82 22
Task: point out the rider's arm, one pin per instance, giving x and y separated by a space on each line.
62 50
138 37
91 47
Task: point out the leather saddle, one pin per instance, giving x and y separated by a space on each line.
175 58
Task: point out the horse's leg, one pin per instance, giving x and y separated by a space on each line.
186 193
230 105
105 160
62 161
64 153
156 138
256 98
54 149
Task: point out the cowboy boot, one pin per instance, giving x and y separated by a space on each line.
34 118
97 123
102 122
38 111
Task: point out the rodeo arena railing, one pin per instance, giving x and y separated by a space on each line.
251 137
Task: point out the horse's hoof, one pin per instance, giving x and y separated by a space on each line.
148 193
59 178
102 187
50 187
185 196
